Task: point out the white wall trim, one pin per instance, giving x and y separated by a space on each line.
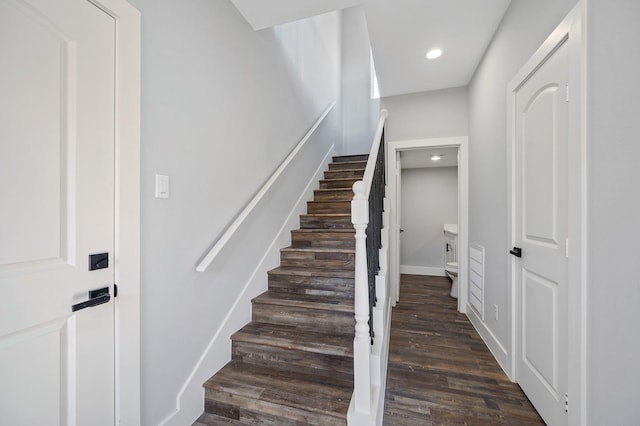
190 400
219 244
432 271
127 209
462 142
497 349
571 29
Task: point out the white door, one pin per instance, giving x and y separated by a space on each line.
541 232
57 195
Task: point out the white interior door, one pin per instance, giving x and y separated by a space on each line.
541 130
57 192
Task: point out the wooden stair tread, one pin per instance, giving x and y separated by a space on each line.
322 230
313 272
309 301
350 158
290 337
295 395
328 215
207 419
318 249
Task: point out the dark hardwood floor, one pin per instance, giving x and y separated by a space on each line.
440 371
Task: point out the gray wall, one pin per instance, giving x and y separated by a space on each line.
360 112
439 113
222 106
429 200
525 26
613 215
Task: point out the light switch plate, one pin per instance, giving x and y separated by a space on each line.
162 186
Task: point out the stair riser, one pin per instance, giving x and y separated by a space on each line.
348 165
350 158
315 222
346 292
342 287
292 360
264 413
339 183
336 207
305 318
341 174
317 260
346 195
323 239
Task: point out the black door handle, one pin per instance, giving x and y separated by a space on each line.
516 251
96 297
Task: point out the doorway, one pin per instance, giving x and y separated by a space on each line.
394 167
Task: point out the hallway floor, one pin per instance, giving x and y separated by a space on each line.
440 370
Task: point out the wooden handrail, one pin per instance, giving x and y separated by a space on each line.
219 244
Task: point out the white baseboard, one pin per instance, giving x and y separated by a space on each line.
497 349
190 399
422 270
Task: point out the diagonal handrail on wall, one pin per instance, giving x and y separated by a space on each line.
231 229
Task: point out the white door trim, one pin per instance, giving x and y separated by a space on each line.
462 142
127 205
572 30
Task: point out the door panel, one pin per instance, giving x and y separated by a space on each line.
541 231
57 189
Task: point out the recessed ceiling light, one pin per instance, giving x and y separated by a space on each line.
434 53
435 157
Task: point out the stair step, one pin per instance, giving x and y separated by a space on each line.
290 348
306 281
318 257
342 194
350 158
323 238
277 397
348 165
342 207
338 183
207 419
326 221
306 311
347 173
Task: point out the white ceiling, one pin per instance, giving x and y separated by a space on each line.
401 32
421 158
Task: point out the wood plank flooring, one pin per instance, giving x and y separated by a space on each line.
440 371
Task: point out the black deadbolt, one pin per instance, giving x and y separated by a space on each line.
98 261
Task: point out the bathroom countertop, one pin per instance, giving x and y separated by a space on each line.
451 228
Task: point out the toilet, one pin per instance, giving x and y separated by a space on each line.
451 256
451 268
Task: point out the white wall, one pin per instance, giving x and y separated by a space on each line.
525 26
222 106
360 112
613 216
429 200
439 113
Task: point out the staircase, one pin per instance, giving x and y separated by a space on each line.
293 363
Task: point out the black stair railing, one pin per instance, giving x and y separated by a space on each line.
374 228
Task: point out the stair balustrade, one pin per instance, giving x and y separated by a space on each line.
367 216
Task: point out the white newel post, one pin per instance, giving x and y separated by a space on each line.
362 340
